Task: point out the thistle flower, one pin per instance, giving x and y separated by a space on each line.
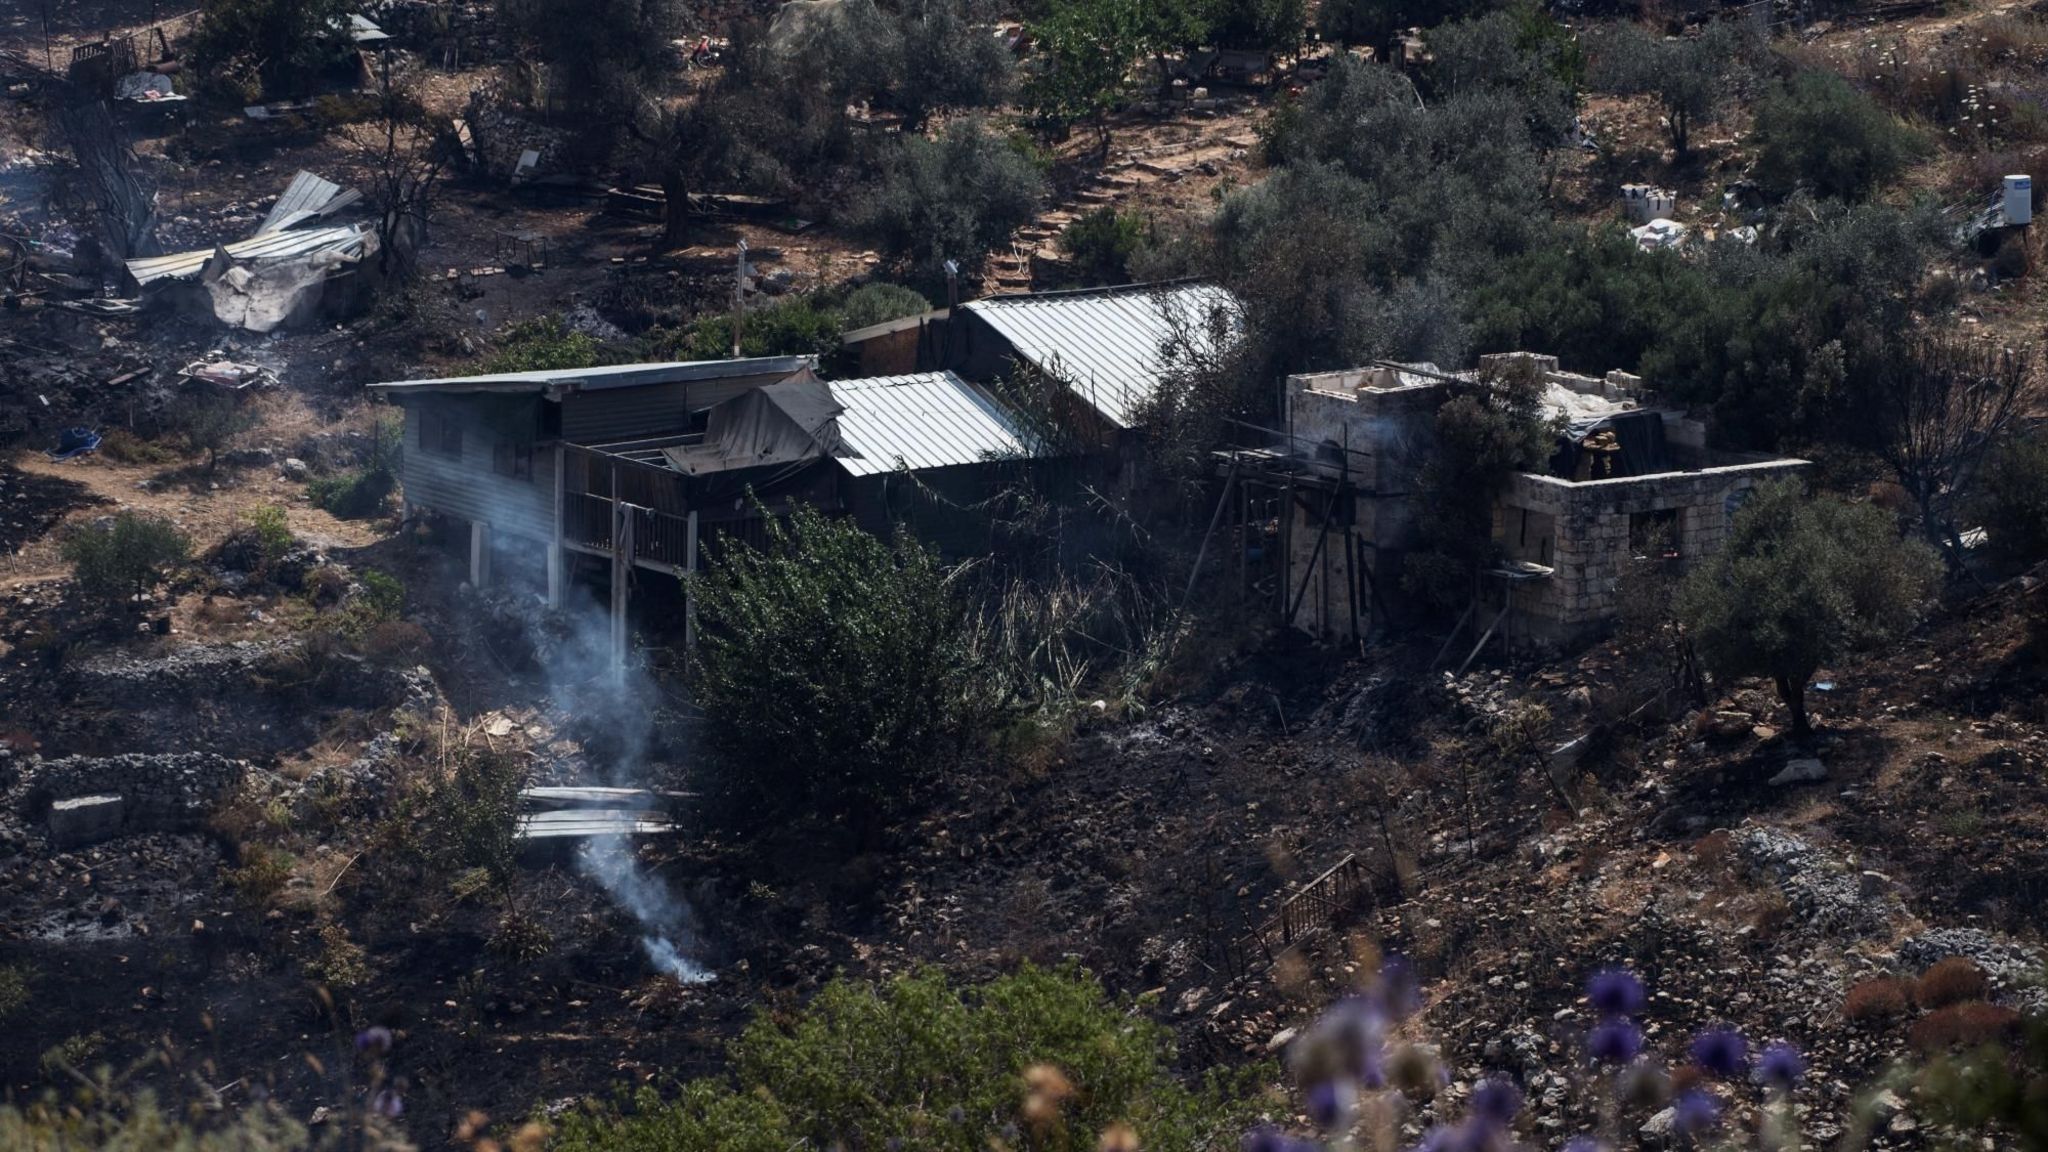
1615 992
1584 1143
1267 1138
1496 1100
374 1040
1396 990
387 1103
1780 1066
1695 1111
1721 1052
1332 1105
1615 1041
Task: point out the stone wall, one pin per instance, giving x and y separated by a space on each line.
1591 524
160 792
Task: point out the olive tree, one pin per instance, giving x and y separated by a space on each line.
1803 580
1692 77
117 560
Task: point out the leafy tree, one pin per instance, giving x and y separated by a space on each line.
284 44
1802 581
879 303
954 198
793 326
917 1063
601 57
1275 25
117 560
1086 49
1692 77
1102 243
212 421
1525 54
1485 432
2011 496
1818 132
1375 22
464 820
832 667
949 60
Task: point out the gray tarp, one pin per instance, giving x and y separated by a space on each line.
774 424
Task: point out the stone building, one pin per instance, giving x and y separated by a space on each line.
1629 481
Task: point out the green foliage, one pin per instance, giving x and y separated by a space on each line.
547 343
955 198
1086 49
879 303
601 56
1802 581
462 820
2012 497
73 1053
1692 77
918 1062
284 45
1523 54
341 963
796 325
831 666
273 533
122 1124
261 877
13 989
1375 22
948 60
1485 432
1102 243
1998 1092
1275 25
1819 133
116 561
357 494
211 421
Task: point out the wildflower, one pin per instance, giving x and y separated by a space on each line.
1332 1105
1349 1041
1615 992
387 1103
1584 1144
1615 1041
1496 1100
1721 1052
1397 991
1267 1138
374 1040
1695 1111
1780 1066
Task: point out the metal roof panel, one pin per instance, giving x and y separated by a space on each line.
929 420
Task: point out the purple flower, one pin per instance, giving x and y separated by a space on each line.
1615 1041
1358 1028
1496 1100
375 1040
1721 1052
1397 990
1780 1066
1267 1138
1695 1111
1459 1138
1330 1105
1584 1144
386 1102
1615 992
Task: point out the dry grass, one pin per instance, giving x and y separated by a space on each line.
1879 999
1971 1025
1952 981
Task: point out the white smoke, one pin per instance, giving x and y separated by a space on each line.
669 926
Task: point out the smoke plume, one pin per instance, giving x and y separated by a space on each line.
669 927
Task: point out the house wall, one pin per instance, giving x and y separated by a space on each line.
469 487
1590 526
1378 439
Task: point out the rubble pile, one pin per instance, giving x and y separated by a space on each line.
1831 895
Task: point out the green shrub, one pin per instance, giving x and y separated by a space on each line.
1818 132
73 1053
917 1063
284 44
13 989
467 819
117 1122
796 326
1102 243
2011 500
545 344
119 560
261 877
354 495
832 666
954 198
341 963
881 303
273 532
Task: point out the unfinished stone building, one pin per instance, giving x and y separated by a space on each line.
1630 480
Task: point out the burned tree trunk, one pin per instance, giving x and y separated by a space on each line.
125 206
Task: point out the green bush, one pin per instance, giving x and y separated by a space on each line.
354 495
546 344
796 326
1818 132
2012 497
916 1063
119 560
465 820
1802 581
954 198
272 531
832 667
881 303
1102 243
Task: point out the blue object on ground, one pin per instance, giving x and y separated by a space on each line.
75 442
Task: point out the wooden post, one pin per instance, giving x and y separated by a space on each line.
479 554
622 573
689 594
558 556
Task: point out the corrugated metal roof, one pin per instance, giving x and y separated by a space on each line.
607 376
307 197
930 420
268 246
1108 344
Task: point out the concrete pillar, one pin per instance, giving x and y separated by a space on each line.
622 571
689 594
558 557
479 554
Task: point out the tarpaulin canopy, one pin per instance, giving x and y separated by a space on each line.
770 425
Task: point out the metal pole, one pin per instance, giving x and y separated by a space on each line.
739 298
689 591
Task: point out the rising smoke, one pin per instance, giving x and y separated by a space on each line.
669 927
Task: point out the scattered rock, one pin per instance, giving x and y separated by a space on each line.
1802 771
295 469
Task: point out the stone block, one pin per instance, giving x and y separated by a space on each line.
84 820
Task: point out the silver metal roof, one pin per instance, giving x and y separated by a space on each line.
307 197
608 376
1109 345
267 246
930 420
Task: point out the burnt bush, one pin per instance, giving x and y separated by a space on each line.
1952 981
1965 1026
1880 999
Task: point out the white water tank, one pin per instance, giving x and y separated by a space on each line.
2019 200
